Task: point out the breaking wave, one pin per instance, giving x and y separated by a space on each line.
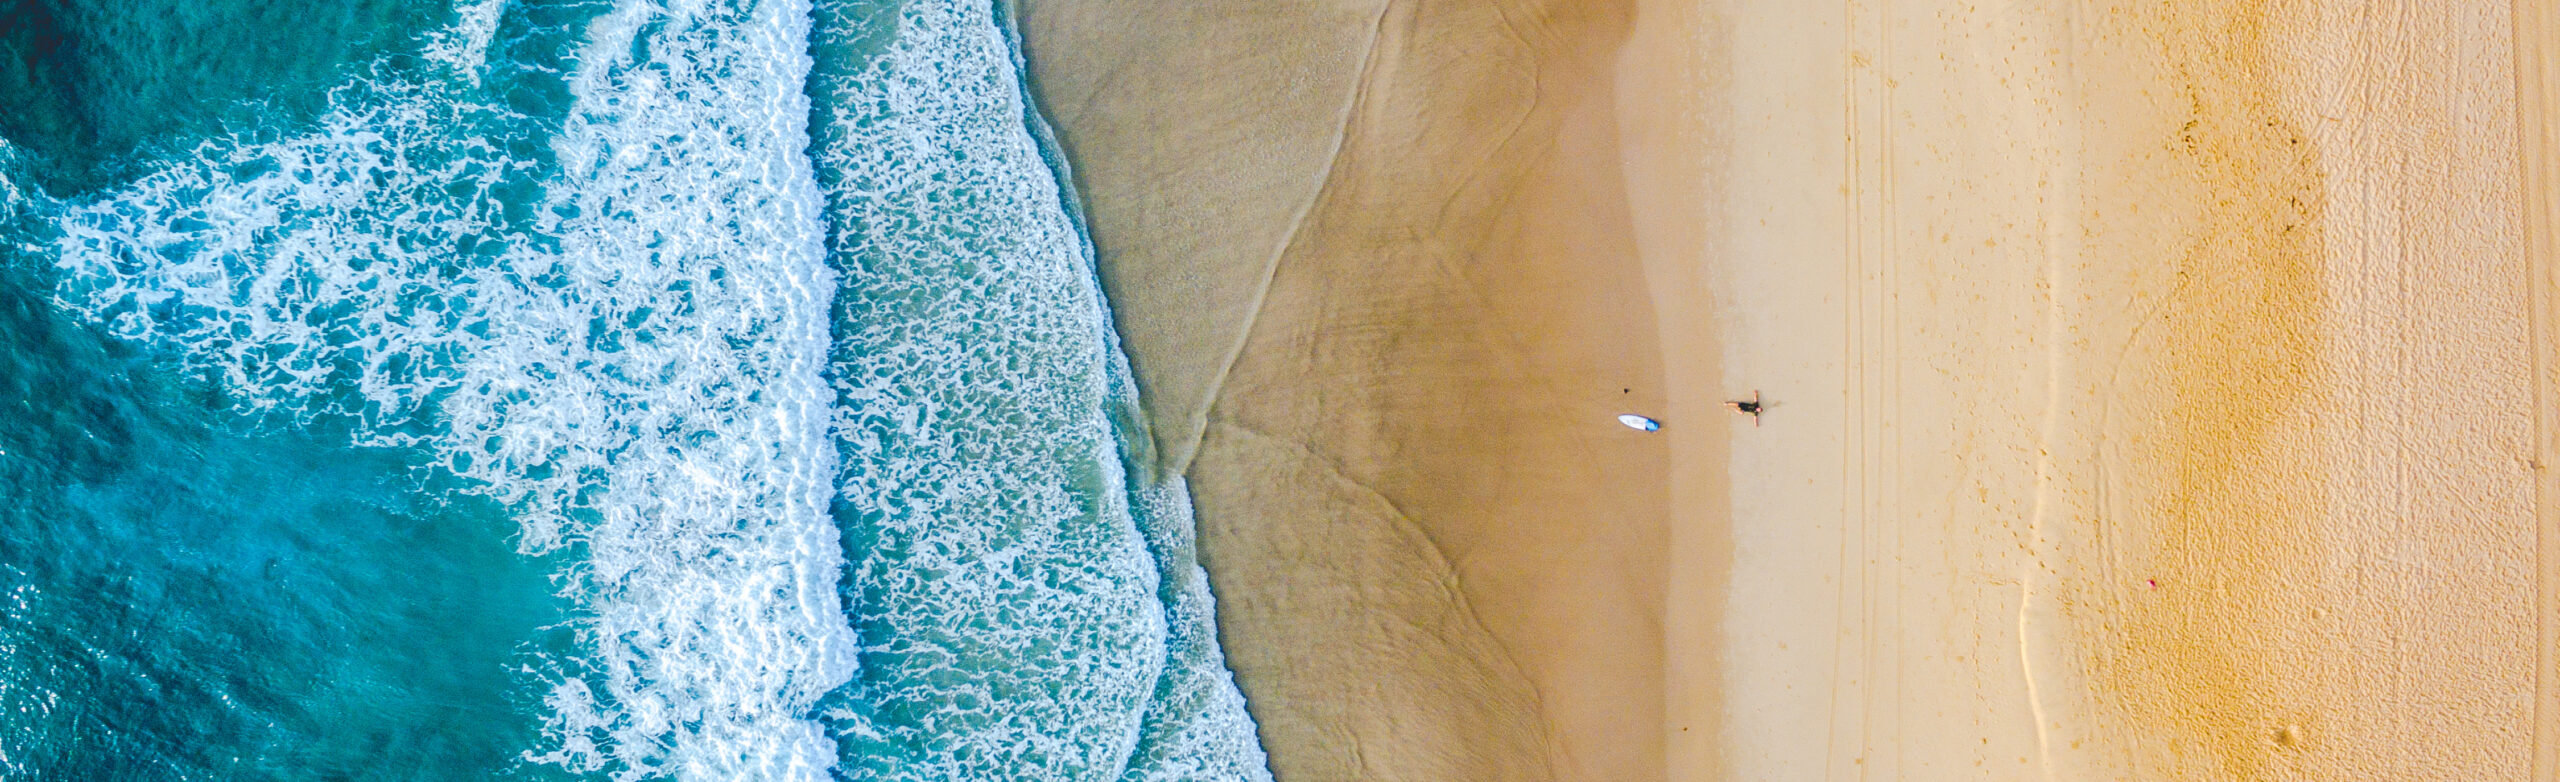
821 399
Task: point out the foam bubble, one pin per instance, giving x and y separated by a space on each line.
1196 725
1012 607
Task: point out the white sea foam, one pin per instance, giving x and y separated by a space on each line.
463 48
634 365
11 200
1196 726
625 344
1015 620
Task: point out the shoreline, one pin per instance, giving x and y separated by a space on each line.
1385 306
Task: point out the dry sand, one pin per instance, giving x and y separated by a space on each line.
2159 386
2157 390
2537 40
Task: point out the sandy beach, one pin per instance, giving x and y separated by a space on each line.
2155 390
1374 265
2164 408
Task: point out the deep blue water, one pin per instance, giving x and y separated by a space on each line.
553 389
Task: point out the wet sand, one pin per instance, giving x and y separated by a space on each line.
1375 267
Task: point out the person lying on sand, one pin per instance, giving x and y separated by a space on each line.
1749 407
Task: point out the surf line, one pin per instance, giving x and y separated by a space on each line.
634 365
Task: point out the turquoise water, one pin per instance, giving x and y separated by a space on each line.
84 80
707 390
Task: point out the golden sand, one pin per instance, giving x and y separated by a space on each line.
2350 495
2187 430
2537 40
2240 343
2156 390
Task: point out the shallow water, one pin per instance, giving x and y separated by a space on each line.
715 390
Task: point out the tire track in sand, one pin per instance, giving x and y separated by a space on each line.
1870 538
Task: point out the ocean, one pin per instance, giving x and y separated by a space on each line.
571 389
